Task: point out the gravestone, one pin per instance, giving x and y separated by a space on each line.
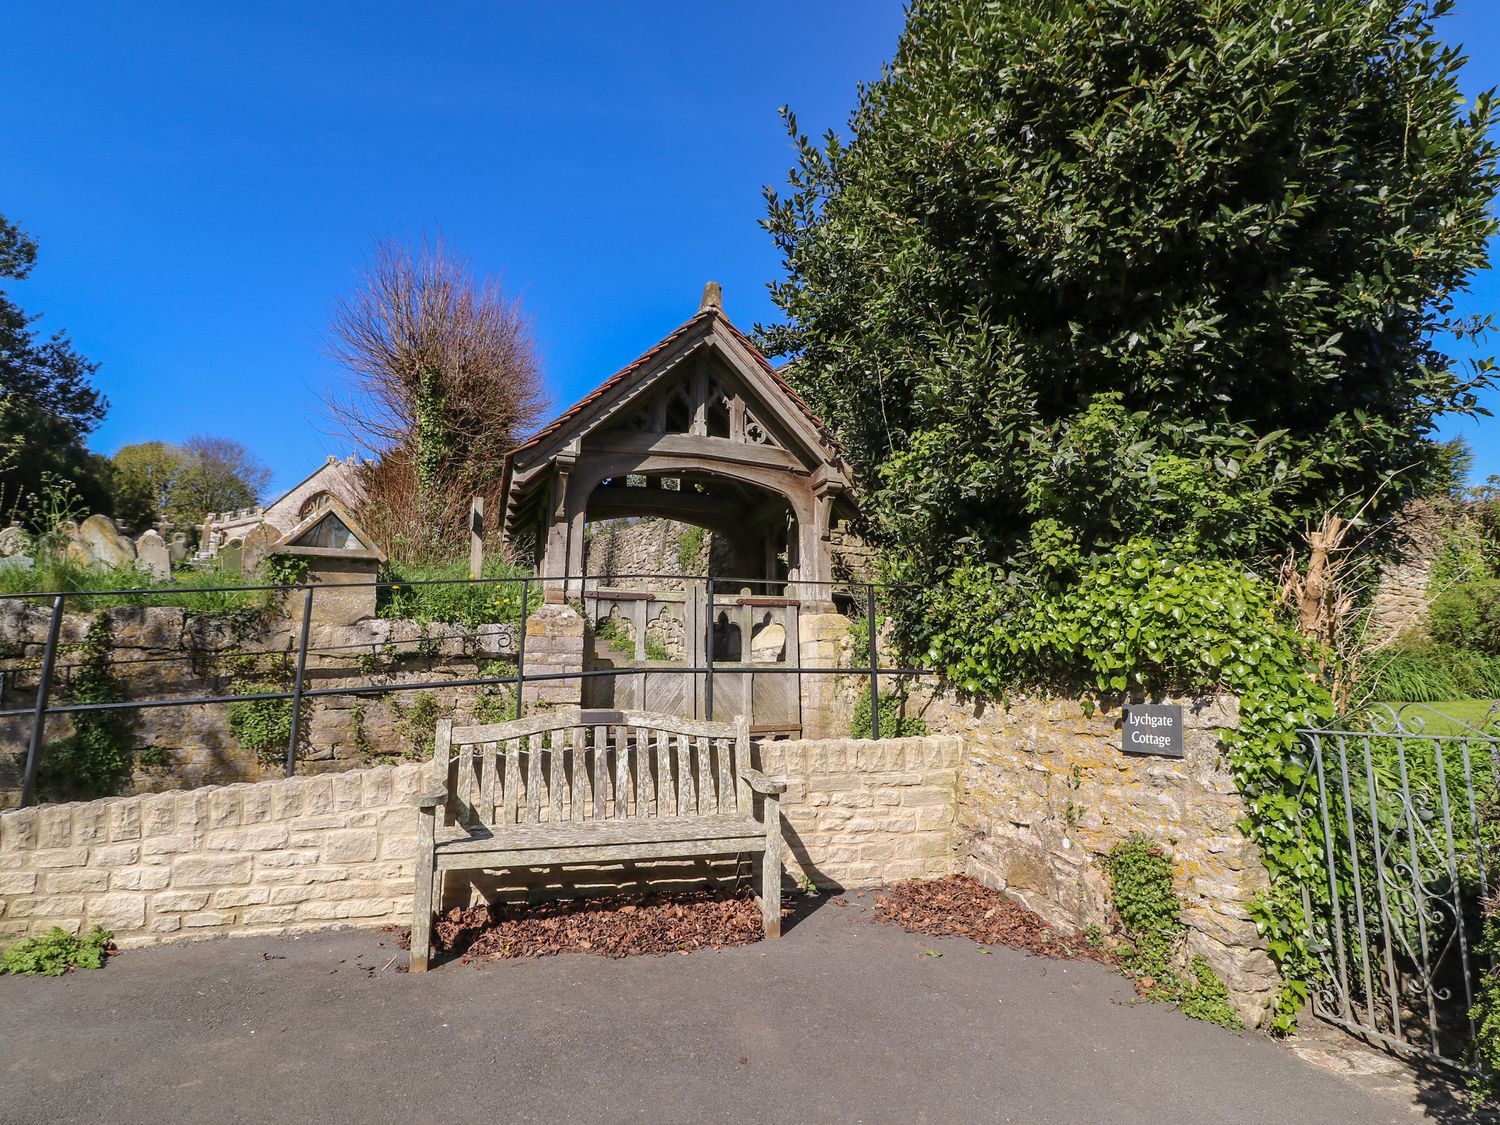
99 542
230 561
177 549
152 556
257 545
14 541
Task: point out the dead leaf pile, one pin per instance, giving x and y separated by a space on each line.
618 926
959 906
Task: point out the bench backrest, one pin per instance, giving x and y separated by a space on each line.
573 764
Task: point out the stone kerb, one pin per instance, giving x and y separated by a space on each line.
269 857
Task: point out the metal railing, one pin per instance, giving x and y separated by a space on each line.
298 692
1407 812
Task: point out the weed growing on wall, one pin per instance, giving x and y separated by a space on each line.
56 952
95 760
263 726
1150 916
894 721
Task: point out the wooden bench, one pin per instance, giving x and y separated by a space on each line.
575 786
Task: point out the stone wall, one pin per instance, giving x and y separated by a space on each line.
297 854
162 652
1045 791
1399 604
308 853
860 813
652 546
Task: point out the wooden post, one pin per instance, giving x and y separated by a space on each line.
476 536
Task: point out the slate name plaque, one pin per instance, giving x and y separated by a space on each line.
1152 728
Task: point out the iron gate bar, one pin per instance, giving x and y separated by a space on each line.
1413 897
43 693
874 677
291 742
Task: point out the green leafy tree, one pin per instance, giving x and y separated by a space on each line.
1088 269
146 479
48 404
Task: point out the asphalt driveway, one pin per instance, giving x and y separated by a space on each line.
843 1019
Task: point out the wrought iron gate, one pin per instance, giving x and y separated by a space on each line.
1407 811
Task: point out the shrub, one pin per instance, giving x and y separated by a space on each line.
57 951
95 760
1467 616
894 721
454 600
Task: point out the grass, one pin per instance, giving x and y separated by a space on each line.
1449 716
61 575
463 603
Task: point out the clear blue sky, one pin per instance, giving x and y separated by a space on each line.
205 178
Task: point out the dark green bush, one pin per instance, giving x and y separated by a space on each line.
1467 616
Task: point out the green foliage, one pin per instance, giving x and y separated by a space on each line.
1467 616
263 726
456 601
95 760
689 547
1150 914
655 650
56 952
1148 618
1429 673
48 404
418 724
894 721
496 703
1134 264
616 634
284 570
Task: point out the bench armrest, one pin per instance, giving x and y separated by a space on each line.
760 783
430 800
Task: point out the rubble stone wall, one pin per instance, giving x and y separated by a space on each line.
1045 792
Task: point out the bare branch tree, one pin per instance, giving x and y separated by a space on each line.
442 380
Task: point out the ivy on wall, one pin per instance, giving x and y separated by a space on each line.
1145 619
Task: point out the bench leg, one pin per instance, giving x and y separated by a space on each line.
421 913
770 871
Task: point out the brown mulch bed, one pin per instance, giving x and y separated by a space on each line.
959 906
617 926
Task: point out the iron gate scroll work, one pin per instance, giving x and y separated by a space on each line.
1407 801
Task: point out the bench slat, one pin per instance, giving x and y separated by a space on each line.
577 796
589 854
512 797
601 767
666 791
622 772
486 782
705 777
726 785
656 830
642 741
533 779
687 795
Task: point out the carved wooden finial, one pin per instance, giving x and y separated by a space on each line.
713 297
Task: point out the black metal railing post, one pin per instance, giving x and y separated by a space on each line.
291 742
521 647
708 656
39 718
874 664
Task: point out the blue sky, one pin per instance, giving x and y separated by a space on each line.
204 179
